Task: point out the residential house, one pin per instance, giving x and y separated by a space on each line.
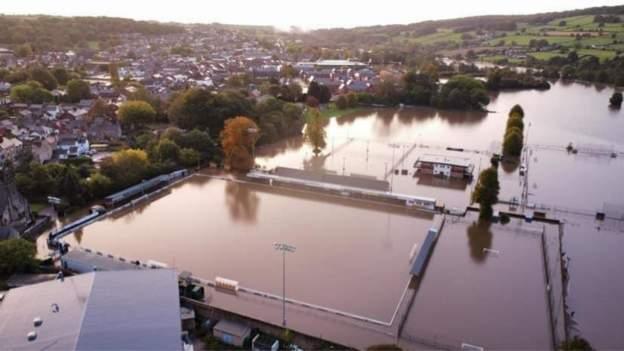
72 147
9 148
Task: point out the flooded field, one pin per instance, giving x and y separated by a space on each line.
352 256
596 290
483 284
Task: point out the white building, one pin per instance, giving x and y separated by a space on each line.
72 147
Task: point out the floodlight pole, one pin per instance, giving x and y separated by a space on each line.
284 248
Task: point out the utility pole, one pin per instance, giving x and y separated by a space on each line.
284 248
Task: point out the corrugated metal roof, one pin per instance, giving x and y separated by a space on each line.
119 310
424 253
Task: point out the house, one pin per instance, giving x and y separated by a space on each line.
231 333
9 148
115 310
102 129
444 166
43 150
72 147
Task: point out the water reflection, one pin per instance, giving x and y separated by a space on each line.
510 165
479 239
78 235
316 163
449 183
454 117
241 202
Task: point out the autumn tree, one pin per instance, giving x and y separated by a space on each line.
133 113
314 131
238 139
486 192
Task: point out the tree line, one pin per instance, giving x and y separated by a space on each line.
44 33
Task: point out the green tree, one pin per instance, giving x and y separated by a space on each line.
515 122
17 256
513 142
71 187
43 76
517 110
31 92
199 108
189 157
78 90
24 50
486 192
136 113
315 130
61 75
126 167
342 103
99 185
616 100
167 150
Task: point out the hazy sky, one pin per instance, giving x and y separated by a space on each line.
284 13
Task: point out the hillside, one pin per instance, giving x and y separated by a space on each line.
595 31
62 33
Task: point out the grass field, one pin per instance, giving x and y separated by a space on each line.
440 36
332 111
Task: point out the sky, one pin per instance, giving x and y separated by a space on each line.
286 13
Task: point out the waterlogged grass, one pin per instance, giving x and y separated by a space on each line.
331 110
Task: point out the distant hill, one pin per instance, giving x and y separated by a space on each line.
382 33
61 33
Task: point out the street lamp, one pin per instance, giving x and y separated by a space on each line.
284 248
394 147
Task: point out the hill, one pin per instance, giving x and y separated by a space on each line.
62 33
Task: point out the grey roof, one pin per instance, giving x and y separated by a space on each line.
232 328
353 180
97 260
424 253
119 310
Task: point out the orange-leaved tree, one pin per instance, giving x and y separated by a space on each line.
238 140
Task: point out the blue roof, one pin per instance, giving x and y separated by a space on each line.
424 253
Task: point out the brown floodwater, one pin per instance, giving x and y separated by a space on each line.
351 255
483 286
354 256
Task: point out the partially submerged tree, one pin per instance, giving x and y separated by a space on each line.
238 140
616 100
486 192
314 131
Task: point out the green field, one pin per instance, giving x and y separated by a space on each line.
440 36
332 111
600 54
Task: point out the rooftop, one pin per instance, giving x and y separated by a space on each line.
440 159
95 311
